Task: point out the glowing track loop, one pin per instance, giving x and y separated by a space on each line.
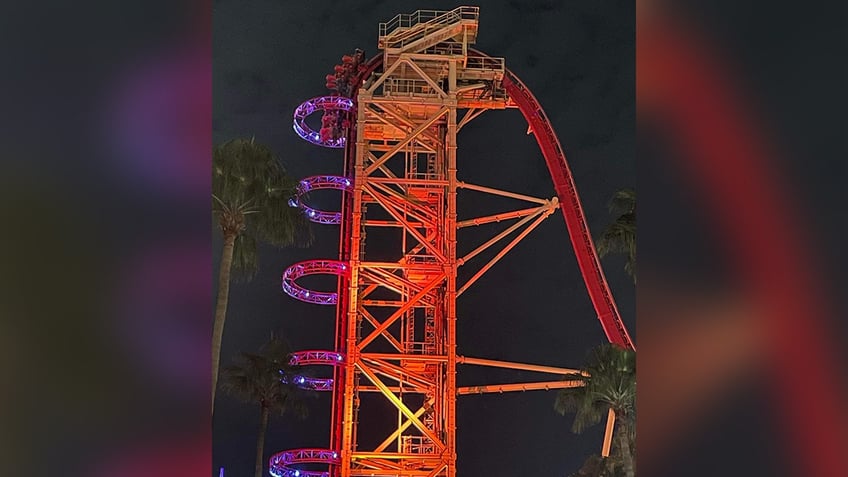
310 383
282 462
305 358
312 267
325 104
318 183
314 357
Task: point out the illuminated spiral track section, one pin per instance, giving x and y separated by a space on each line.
311 358
281 463
320 183
312 267
326 104
306 358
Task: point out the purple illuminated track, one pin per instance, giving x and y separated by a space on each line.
330 134
312 267
281 463
306 358
311 384
319 183
315 357
335 126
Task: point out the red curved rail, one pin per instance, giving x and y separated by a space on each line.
572 211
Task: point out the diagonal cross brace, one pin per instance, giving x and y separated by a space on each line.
400 405
403 309
397 147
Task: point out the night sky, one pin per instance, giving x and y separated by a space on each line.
578 59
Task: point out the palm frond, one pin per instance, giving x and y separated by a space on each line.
619 237
259 378
610 382
623 201
567 401
251 185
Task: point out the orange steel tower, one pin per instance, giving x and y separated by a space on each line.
397 117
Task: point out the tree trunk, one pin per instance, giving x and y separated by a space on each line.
623 440
260 443
221 308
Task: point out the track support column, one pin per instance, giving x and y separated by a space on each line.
450 295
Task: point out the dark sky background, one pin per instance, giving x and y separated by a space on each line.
578 59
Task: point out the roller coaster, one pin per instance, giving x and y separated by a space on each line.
396 117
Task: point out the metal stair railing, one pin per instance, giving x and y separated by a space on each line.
420 23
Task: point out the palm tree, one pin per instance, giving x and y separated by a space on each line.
250 192
620 236
609 382
260 378
595 466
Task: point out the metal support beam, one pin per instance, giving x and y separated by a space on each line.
501 235
505 388
394 435
406 225
396 115
496 217
401 406
397 147
426 78
503 193
400 311
503 252
605 450
519 366
471 113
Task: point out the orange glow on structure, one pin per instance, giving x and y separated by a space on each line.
396 317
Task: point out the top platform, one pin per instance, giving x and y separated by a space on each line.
414 32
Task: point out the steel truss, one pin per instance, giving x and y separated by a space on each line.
396 317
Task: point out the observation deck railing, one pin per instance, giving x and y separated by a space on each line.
408 87
485 63
416 25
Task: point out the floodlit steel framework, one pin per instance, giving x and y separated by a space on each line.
397 117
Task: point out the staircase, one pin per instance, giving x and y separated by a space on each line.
425 28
